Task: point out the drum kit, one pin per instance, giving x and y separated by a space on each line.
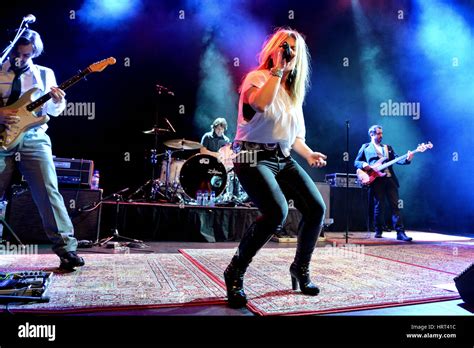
180 180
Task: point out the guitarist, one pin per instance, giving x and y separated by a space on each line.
385 187
33 154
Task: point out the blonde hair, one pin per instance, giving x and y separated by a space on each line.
298 80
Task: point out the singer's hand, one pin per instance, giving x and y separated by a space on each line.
280 63
316 159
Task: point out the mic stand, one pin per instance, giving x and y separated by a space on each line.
115 231
7 50
4 223
347 182
155 187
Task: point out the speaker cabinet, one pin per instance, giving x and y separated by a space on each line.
325 191
357 209
26 222
465 285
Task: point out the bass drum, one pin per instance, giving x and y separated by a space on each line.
203 173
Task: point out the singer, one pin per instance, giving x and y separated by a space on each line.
33 154
271 122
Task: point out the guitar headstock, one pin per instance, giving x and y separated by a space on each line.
101 65
423 147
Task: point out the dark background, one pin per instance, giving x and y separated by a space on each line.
203 58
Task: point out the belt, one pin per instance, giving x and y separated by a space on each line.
239 145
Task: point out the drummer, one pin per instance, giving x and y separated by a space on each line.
214 140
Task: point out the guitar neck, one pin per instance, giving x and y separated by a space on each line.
65 85
398 159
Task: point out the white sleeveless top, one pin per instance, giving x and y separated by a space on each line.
281 123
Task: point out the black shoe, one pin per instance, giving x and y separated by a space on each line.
402 236
300 276
71 260
378 234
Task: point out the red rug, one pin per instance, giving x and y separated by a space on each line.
119 282
390 238
451 258
348 281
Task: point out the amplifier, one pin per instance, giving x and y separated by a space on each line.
339 180
24 219
357 209
77 172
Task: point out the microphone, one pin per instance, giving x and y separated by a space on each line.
171 126
29 18
286 52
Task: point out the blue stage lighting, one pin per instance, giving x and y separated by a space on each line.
108 13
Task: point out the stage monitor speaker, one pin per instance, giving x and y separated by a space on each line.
357 209
465 285
26 222
325 191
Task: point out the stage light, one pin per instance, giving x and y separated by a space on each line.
383 96
107 13
231 39
447 42
216 96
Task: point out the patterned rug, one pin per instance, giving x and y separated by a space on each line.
348 280
118 282
451 258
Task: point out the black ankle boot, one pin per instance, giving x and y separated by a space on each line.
234 282
299 269
300 276
256 236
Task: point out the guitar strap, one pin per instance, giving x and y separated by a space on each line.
387 171
43 77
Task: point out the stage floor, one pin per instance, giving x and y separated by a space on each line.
442 308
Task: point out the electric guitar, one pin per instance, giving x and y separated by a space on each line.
27 108
368 176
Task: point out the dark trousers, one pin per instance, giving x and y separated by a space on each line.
270 183
385 189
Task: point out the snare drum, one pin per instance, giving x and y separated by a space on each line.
203 173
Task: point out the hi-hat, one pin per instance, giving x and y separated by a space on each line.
156 130
182 144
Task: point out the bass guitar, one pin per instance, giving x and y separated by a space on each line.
369 175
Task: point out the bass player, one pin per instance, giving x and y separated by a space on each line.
384 187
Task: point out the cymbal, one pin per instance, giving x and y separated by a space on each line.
182 144
156 130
